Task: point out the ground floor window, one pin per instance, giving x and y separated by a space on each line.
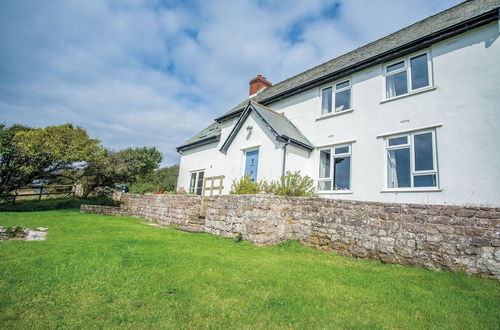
335 168
196 183
412 160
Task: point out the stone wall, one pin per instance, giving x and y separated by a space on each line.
101 209
462 239
164 209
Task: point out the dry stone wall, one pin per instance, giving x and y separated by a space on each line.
462 239
164 209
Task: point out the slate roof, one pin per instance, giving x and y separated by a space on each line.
281 125
282 128
413 34
210 133
430 25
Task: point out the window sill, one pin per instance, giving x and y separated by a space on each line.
334 192
423 90
411 190
333 114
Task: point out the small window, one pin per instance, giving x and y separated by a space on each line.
398 141
196 183
395 67
411 161
338 176
398 163
342 96
338 95
419 72
326 101
325 170
406 76
342 150
396 84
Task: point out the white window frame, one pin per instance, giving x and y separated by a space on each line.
332 167
193 190
407 68
411 145
333 86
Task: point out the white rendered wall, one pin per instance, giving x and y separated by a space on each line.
466 101
232 164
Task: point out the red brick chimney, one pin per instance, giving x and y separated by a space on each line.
258 83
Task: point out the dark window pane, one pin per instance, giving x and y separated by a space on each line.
199 187
341 150
423 152
397 84
325 185
324 164
342 170
192 184
396 66
343 100
397 141
398 168
326 100
419 72
424 181
342 85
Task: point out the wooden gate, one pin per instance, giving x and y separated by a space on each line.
209 185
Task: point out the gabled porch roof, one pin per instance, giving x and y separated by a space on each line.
282 128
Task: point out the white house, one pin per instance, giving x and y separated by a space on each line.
413 117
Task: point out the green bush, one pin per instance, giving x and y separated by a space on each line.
245 186
163 179
290 184
238 238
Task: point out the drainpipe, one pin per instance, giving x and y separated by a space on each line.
285 144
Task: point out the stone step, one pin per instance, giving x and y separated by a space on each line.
196 223
190 229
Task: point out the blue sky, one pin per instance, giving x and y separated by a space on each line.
152 72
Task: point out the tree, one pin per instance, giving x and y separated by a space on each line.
55 149
110 167
162 179
11 160
65 152
139 161
29 154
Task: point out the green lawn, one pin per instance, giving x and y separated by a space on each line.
113 272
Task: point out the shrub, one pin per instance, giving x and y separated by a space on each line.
245 186
238 238
163 179
291 184
181 191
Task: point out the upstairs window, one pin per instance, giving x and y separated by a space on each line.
335 168
336 98
407 75
411 161
196 183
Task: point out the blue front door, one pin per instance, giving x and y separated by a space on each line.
252 164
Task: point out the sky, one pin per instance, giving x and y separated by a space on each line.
155 72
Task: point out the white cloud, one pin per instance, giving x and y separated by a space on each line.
139 73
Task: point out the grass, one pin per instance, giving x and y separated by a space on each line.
52 204
113 272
